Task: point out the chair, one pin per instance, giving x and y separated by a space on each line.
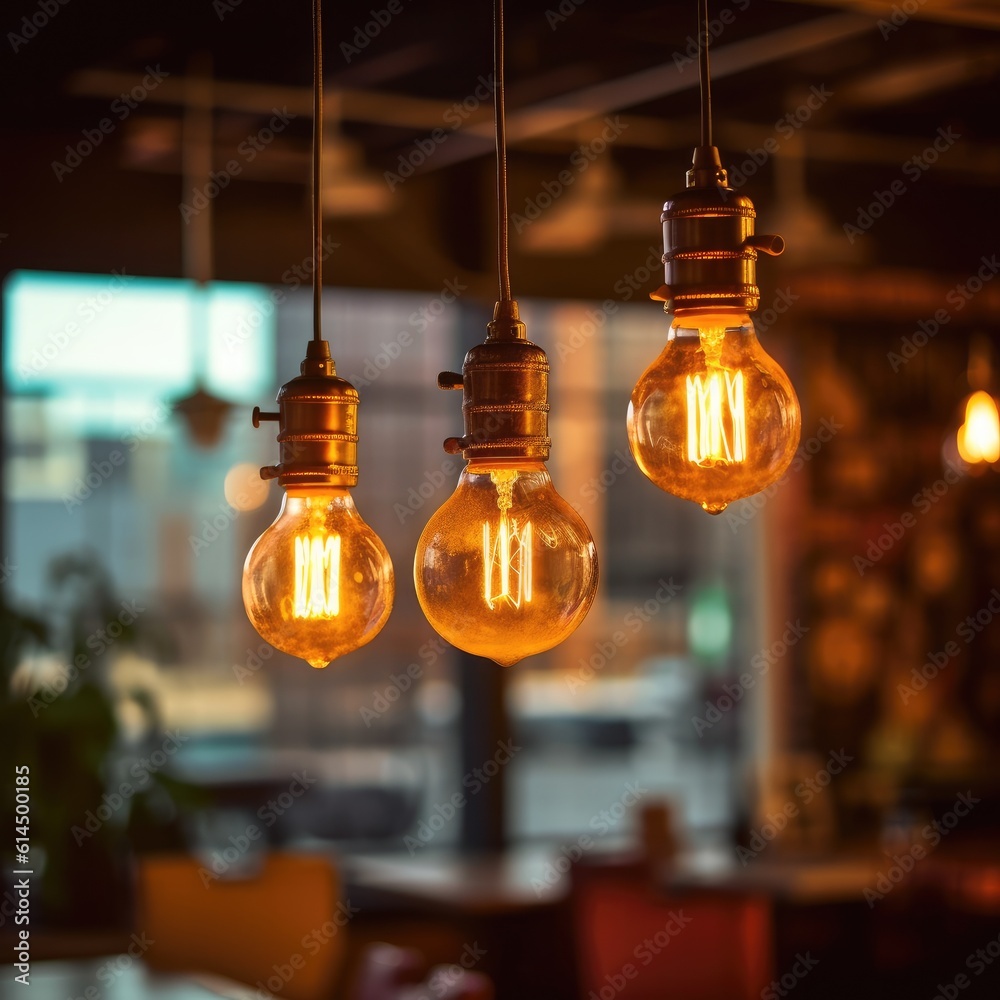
279 931
390 973
697 946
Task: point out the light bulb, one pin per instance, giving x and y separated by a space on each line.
714 418
979 436
318 582
505 568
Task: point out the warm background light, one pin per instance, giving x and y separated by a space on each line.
243 488
979 436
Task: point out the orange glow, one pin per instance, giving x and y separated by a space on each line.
317 576
979 436
717 420
507 555
713 419
505 568
318 583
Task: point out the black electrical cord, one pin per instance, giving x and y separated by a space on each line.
317 170
703 74
503 239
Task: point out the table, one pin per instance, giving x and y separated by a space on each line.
796 881
115 977
470 885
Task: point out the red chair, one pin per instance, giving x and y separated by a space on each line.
699 946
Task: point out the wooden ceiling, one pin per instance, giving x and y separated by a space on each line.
819 107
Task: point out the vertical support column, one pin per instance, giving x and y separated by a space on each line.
484 726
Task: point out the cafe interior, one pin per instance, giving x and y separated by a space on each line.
694 687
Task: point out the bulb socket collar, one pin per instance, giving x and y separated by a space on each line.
709 245
505 386
317 421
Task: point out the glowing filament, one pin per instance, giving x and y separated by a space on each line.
317 576
507 555
717 422
979 436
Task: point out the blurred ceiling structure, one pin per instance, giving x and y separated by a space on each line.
819 106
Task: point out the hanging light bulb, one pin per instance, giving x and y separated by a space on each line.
505 568
979 436
714 418
318 583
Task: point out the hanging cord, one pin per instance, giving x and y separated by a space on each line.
503 262
704 79
317 168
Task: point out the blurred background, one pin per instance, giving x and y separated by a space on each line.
781 722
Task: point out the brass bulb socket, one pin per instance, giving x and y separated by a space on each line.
317 425
709 245
505 385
